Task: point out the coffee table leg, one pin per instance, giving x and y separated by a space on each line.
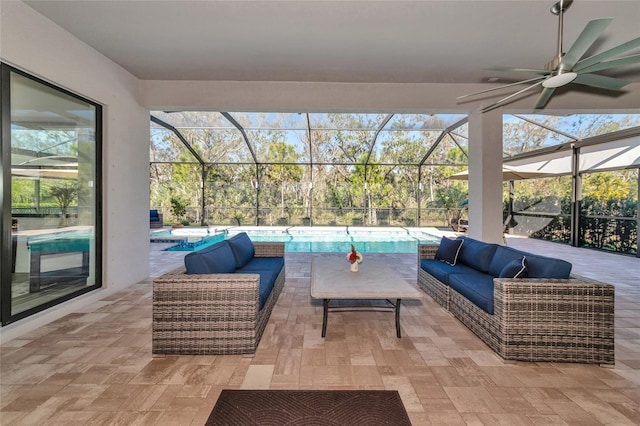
325 313
398 318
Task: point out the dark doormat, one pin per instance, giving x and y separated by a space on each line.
308 407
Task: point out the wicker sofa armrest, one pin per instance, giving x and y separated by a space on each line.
577 289
205 313
237 293
570 320
426 251
266 249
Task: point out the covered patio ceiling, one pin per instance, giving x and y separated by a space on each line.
434 41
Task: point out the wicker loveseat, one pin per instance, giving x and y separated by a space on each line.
208 312
535 318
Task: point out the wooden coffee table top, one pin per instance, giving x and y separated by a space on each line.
332 279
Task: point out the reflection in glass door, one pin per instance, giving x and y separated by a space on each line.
54 140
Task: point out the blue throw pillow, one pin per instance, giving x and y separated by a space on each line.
448 250
242 248
517 268
217 259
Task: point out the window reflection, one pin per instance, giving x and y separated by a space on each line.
53 194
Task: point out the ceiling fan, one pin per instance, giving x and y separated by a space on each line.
569 67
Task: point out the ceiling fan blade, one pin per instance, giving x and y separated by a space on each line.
516 69
584 41
600 81
544 97
627 60
485 109
603 56
501 87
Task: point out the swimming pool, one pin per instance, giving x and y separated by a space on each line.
306 239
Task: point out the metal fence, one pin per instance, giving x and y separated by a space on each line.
610 233
298 216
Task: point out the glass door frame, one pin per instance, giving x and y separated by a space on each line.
6 316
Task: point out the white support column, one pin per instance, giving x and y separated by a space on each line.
485 176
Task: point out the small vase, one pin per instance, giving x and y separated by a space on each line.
354 267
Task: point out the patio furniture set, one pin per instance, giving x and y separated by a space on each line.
525 307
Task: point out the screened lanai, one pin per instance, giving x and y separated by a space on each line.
308 168
587 194
390 169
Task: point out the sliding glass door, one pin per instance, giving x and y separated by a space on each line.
51 178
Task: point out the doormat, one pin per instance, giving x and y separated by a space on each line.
308 407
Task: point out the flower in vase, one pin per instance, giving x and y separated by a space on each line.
354 256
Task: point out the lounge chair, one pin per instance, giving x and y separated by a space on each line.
155 219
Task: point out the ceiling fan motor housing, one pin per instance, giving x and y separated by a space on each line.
553 64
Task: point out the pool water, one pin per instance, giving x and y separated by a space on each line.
318 240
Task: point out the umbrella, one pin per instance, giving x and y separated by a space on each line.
511 174
508 173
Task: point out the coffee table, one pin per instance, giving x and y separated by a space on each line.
331 279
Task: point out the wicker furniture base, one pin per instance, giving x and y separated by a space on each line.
432 286
570 320
207 314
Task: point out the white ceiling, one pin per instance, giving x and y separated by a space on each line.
344 41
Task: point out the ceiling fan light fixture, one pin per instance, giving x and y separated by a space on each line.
559 80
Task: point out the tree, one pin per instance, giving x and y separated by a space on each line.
605 186
64 194
284 172
178 208
451 198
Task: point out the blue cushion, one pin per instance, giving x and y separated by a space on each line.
476 288
476 254
153 216
515 269
538 266
441 271
267 281
242 248
448 250
217 259
263 264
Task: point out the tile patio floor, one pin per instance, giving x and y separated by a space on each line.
95 366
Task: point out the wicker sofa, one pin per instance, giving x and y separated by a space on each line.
536 318
206 312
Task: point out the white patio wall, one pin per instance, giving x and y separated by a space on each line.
32 43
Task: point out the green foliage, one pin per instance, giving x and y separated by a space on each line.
452 198
610 224
178 208
604 186
64 194
238 218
